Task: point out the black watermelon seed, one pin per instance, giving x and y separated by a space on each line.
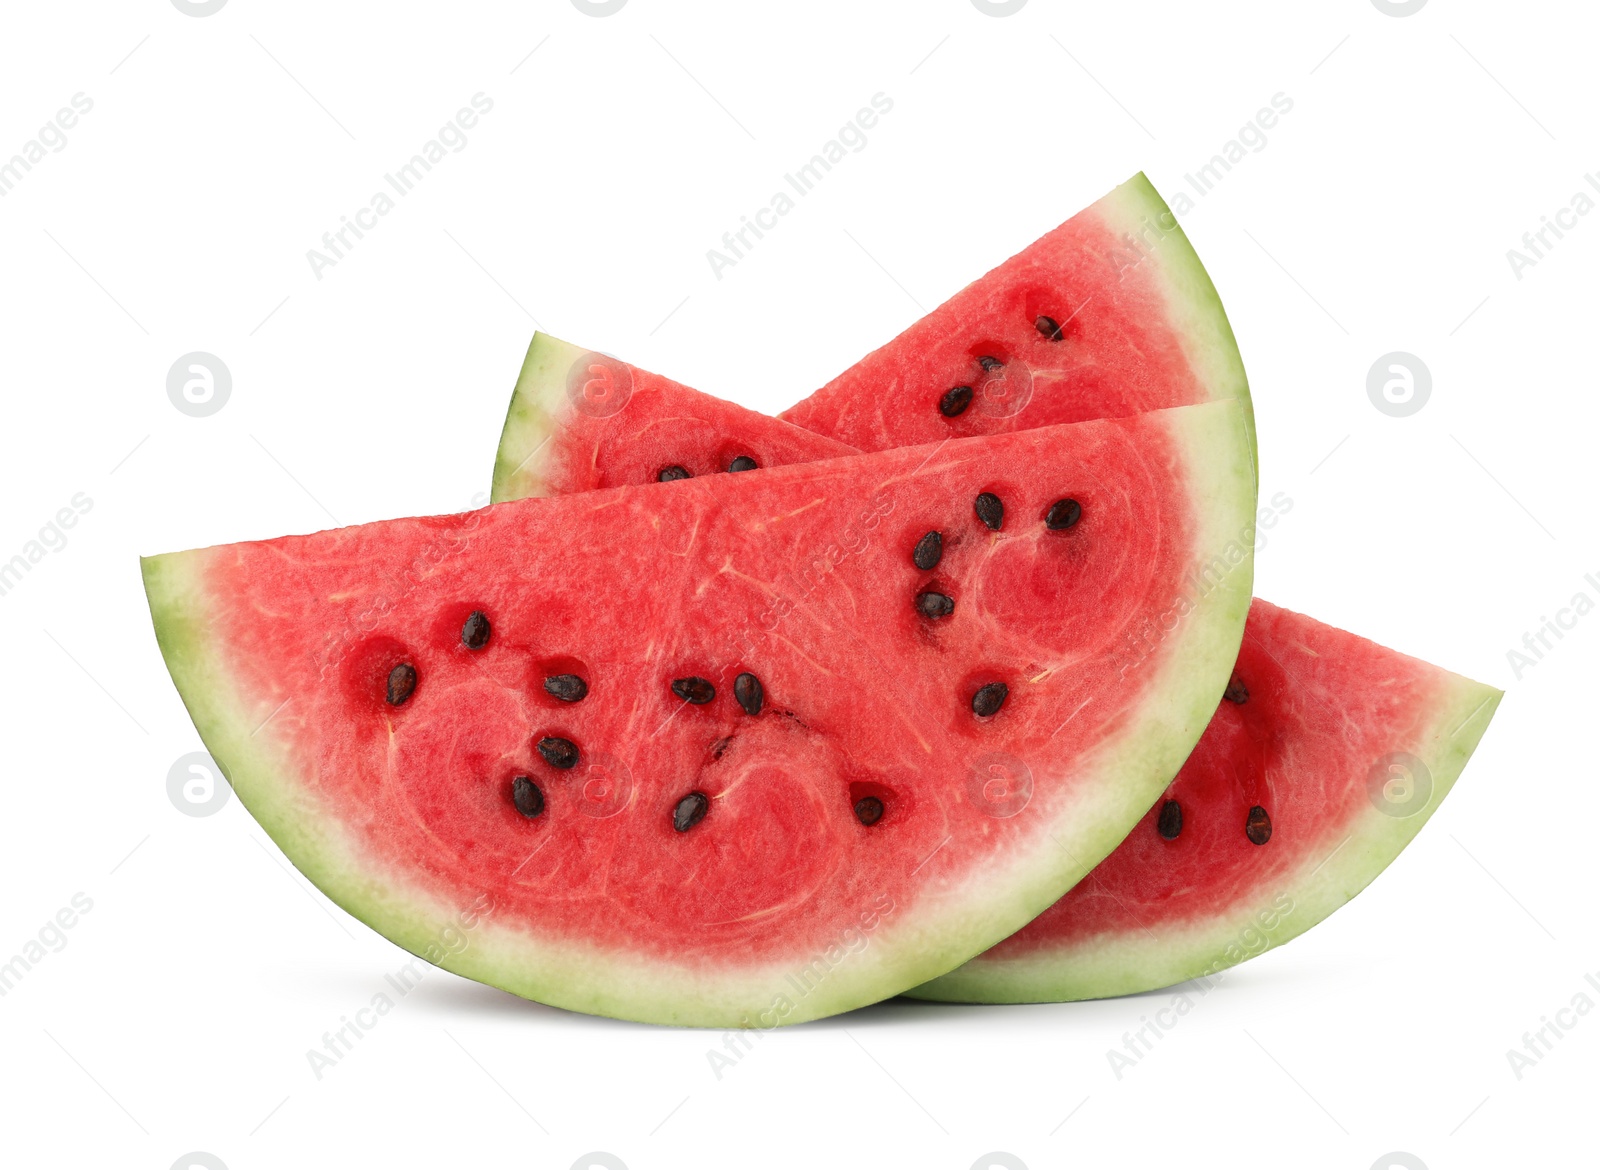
526 796
668 474
954 400
869 810
694 690
991 364
1048 327
928 551
1258 826
1236 692
690 811
402 681
569 688
558 752
743 463
989 698
934 605
990 510
1063 514
1170 823
475 631
748 694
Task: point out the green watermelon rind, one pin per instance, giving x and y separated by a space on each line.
539 407
1128 962
911 945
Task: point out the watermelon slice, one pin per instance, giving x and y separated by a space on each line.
581 420
1109 315
1326 756
737 750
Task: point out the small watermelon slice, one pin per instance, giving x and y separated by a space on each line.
581 420
732 751
1323 761
1109 315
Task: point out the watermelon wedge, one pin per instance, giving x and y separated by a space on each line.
710 752
1108 315
1324 759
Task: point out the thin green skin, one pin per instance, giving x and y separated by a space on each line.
1129 963
915 944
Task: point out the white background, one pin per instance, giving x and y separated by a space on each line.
220 149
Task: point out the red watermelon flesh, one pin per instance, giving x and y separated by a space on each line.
606 841
1327 756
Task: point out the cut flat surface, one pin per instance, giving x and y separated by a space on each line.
580 420
780 893
1345 746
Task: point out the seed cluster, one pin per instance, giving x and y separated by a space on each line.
1257 822
954 402
936 605
676 471
562 754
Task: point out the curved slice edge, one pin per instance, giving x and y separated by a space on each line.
1126 965
913 945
